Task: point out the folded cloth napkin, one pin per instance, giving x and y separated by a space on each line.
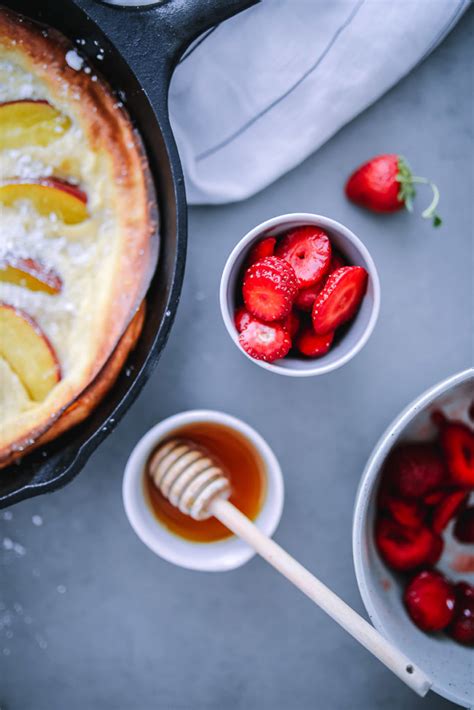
260 92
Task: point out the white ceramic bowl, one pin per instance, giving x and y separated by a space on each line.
356 253
448 664
211 556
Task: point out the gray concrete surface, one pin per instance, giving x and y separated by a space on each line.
90 619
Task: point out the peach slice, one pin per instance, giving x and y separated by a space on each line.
30 274
28 352
49 195
30 122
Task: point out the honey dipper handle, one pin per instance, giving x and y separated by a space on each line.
329 602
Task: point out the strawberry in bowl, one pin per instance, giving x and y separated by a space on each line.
424 490
300 294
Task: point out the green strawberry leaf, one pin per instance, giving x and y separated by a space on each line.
407 192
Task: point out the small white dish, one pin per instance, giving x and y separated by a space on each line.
356 253
449 664
210 556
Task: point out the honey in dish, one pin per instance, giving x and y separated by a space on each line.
244 467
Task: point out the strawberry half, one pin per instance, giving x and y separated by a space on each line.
265 341
242 318
464 527
461 628
292 324
337 261
447 509
409 513
269 289
457 442
405 548
306 297
429 599
265 247
434 497
308 250
340 298
413 470
312 345
386 184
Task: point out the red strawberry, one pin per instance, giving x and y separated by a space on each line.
429 599
434 497
457 442
447 509
414 470
337 261
308 250
405 548
464 527
311 344
265 341
340 298
436 551
409 513
386 184
292 323
269 289
265 247
462 625
306 297
242 318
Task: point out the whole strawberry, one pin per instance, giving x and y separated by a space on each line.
385 183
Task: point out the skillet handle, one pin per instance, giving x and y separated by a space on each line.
179 21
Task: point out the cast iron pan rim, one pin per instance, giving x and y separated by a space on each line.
88 447
177 221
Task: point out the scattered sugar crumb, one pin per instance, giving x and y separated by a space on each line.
37 520
41 641
61 589
74 60
7 515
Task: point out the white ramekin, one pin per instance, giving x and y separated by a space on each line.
210 556
356 253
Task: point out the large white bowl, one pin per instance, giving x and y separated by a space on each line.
449 665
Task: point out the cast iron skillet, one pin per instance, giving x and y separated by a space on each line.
151 41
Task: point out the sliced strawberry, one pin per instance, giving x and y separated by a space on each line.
242 318
464 527
340 298
308 250
269 289
434 497
429 599
264 341
404 548
409 513
265 247
436 551
337 261
461 628
447 509
457 442
413 470
306 297
312 345
292 323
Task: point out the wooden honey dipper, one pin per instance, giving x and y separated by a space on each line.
195 483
